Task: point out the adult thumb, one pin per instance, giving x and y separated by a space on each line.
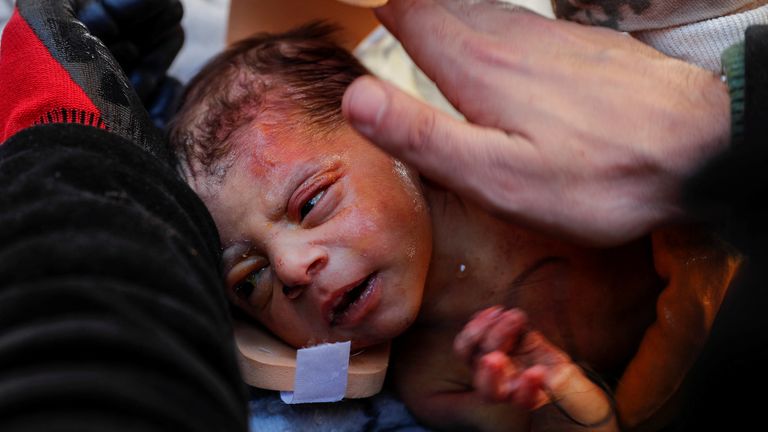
449 151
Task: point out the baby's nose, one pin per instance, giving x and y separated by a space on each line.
298 266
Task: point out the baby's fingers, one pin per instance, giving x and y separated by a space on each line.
529 391
498 379
494 376
467 342
504 332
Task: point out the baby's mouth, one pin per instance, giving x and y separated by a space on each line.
348 305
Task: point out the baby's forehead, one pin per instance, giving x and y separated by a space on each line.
276 157
275 149
272 159
282 140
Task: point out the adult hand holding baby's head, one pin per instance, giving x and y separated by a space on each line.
577 130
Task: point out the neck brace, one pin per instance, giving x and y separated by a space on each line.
317 374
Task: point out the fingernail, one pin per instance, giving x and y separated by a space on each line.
494 312
367 101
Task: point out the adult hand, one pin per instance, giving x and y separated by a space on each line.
576 130
55 71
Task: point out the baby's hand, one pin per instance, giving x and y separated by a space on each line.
512 363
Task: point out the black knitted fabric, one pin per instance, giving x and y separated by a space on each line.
112 315
732 193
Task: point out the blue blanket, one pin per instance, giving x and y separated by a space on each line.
381 413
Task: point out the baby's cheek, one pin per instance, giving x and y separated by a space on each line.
373 236
292 326
393 226
366 225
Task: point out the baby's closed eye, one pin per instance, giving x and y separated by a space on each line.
313 202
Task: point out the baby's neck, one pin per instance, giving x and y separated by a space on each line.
463 255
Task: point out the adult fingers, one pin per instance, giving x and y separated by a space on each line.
473 51
437 41
497 18
460 156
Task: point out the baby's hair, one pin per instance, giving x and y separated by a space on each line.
301 74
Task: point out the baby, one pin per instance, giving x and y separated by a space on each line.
326 238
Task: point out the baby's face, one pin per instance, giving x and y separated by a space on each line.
325 238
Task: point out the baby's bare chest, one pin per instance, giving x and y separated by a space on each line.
485 262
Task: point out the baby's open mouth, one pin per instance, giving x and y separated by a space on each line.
350 303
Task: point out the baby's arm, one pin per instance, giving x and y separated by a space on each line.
514 364
436 387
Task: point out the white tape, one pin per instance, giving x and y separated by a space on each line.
321 374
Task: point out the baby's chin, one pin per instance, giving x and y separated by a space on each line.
383 337
358 342
381 329
358 345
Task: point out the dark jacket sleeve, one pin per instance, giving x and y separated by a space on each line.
732 194
112 315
